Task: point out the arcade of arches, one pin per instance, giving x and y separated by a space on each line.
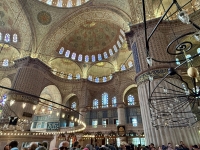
76 53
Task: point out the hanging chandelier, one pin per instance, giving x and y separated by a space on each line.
175 103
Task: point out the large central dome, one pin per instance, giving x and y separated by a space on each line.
64 3
93 38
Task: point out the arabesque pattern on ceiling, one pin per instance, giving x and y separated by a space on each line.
60 32
92 37
15 19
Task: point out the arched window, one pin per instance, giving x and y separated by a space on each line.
99 57
67 53
0 36
121 39
69 3
123 67
86 58
110 52
50 107
93 58
73 56
7 37
90 78
59 3
5 62
131 100
15 38
95 104
73 106
96 80
78 2
80 57
78 76
69 76
3 100
115 48
114 102
110 76
105 55
119 44
49 2
104 100
61 50
122 32
130 64
104 79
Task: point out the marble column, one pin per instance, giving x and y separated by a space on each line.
121 114
158 44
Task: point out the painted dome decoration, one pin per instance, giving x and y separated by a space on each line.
64 3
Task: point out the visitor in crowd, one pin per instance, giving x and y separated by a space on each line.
33 146
13 145
6 147
75 146
41 148
64 145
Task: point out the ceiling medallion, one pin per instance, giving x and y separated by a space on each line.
44 18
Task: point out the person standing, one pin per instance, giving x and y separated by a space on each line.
13 145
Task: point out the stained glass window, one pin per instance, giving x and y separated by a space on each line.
49 2
78 2
73 106
105 55
96 80
3 100
94 123
0 36
71 124
67 53
115 48
90 78
78 76
121 39
123 67
86 58
104 79
95 104
134 122
122 32
73 56
114 102
61 50
69 76
110 52
93 58
5 62
7 37
110 76
130 64
104 100
15 38
59 3
119 44
69 3
99 57
131 100
80 57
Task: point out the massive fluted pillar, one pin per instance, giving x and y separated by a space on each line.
121 114
158 44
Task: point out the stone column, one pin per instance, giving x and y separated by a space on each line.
158 44
82 114
121 114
